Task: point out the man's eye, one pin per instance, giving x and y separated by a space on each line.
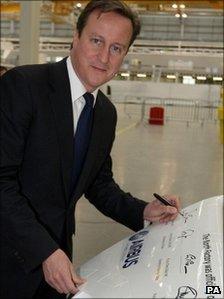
116 49
96 41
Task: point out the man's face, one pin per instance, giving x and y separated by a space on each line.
98 53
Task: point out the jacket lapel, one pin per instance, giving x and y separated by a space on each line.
61 101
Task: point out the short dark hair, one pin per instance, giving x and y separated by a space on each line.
110 6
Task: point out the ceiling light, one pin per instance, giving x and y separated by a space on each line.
141 75
79 5
188 80
177 15
217 78
171 77
182 6
174 6
201 78
125 75
160 6
184 15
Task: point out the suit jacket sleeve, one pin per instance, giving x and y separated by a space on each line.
19 225
109 199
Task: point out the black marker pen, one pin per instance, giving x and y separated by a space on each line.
165 201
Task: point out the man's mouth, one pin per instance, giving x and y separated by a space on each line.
101 69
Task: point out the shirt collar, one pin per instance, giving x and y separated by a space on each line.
77 88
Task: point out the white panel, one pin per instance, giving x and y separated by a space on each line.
176 260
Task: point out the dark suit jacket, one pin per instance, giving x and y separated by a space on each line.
37 209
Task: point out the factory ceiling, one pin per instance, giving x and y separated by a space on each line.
192 43
66 7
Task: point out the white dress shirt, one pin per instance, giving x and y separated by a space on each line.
77 92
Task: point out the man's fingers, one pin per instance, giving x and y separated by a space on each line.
156 211
69 286
58 273
76 278
174 201
168 217
165 210
154 219
170 210
64 284
163 214
56 283
170 214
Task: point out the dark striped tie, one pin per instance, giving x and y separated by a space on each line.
82 137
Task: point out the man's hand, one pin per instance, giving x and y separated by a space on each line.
59 273
157 212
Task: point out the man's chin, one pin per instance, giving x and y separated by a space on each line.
98 83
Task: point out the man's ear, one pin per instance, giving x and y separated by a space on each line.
75 38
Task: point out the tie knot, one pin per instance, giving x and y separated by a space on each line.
89 98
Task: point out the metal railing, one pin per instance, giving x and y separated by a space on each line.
174 109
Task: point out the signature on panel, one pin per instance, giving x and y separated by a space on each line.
189 214
186 233
186 292
189 260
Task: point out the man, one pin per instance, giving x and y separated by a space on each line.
42 117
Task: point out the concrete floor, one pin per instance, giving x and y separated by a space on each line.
170 159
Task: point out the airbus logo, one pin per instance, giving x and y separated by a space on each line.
139 235
135 249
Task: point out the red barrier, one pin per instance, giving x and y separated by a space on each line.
156 116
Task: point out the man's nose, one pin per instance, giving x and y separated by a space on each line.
104 55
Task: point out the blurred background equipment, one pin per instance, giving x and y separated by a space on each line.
177 37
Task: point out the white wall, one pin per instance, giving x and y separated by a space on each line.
200 92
